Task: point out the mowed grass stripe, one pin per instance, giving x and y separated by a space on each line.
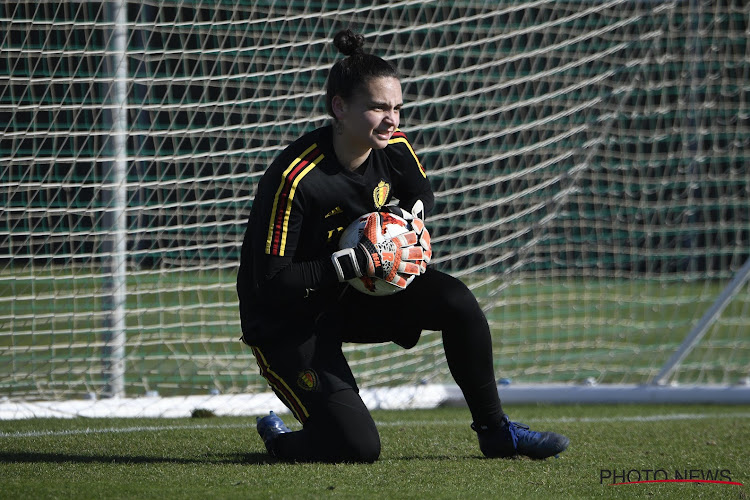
397 423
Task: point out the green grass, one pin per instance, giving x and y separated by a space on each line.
426 454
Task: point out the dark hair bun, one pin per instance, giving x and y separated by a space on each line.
348 42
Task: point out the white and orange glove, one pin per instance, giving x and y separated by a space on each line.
396 260
416 217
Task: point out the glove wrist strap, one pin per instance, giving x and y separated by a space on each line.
346 265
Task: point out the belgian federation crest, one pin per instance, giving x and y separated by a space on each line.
380 194
307 380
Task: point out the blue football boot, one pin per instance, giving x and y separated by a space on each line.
269 427
512 439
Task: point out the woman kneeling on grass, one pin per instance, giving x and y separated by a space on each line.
296 307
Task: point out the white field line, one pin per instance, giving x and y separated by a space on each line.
398 423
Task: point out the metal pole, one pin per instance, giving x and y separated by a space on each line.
705 323
116 221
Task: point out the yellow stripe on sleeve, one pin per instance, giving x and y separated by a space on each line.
403 140
272 222
302 174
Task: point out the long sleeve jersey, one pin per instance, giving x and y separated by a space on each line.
303 202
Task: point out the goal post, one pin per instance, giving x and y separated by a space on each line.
114 194
589 162
706 321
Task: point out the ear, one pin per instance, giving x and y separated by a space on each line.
338 104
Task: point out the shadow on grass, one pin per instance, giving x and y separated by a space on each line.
433 458
217 459
227 459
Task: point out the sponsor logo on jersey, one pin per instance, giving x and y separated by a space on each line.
334 233
337 210
380 194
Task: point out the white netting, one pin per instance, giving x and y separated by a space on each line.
588 160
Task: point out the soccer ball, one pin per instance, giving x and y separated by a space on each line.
392 226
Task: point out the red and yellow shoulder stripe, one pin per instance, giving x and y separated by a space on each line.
399 137
278 226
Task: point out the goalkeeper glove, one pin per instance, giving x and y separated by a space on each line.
416 217
396 260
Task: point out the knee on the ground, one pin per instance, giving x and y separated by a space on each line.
339 444
364 449
347 430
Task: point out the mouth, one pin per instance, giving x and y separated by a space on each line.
383 134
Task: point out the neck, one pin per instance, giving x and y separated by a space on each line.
350 158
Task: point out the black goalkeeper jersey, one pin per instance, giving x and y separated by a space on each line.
302 204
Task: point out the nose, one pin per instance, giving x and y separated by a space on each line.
391 118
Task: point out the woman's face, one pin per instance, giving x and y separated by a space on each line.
369 118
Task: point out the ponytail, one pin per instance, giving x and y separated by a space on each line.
353 72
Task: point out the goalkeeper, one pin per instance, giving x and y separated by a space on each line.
296 307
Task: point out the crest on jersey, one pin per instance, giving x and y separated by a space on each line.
380 194
307 380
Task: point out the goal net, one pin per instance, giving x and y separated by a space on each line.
589 162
